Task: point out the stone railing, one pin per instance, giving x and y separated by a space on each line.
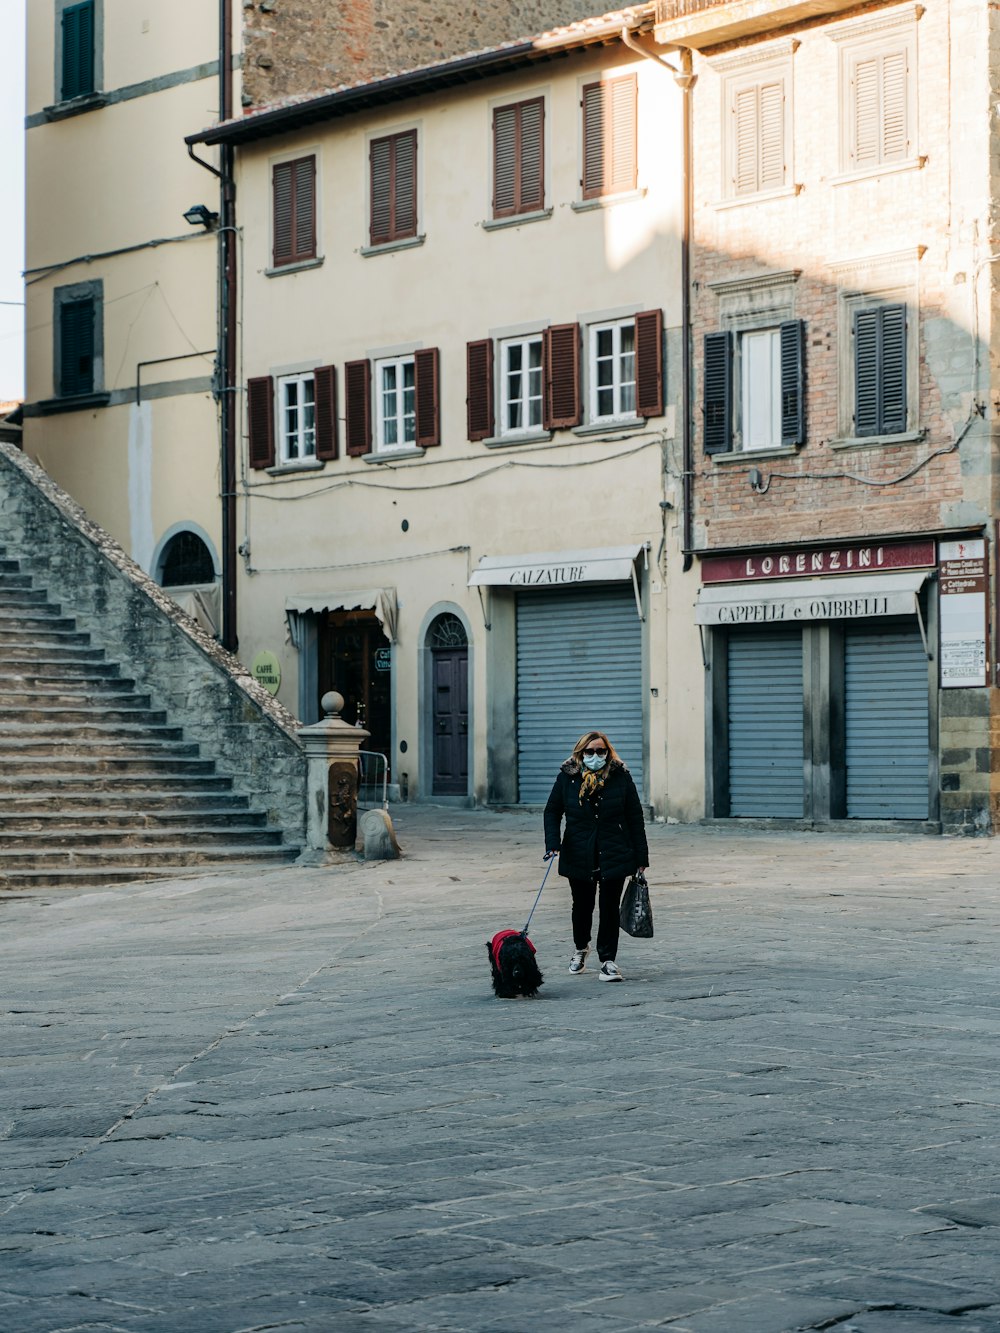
206 690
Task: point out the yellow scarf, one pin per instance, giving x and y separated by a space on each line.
591 783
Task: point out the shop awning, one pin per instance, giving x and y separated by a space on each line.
380 600
790 600
543 569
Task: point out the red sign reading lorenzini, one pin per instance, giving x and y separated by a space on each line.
789 562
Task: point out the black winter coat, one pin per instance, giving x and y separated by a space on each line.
608 835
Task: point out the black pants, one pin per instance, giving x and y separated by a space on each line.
585 893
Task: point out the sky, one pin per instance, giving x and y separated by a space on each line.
12 210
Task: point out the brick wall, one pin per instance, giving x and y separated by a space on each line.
306 46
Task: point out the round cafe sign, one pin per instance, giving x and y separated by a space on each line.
266 670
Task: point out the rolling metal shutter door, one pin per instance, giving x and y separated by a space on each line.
579 665
886 719
765 725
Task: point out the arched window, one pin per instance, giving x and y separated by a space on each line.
447 631
186 560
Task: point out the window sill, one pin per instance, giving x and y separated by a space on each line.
75 106
497 224
408 243
760 197
392 455
877 441
884 169
607 200
612 426
295 465
745 455
79 402
298 267
512 440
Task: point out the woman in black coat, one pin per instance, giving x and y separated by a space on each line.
604 842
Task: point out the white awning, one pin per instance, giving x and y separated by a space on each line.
380 600
791 600
543 569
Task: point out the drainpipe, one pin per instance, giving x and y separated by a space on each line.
685 78
227 333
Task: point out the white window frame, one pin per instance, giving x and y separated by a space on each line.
524 342
881 35
771 64
399 363
618 383
285 454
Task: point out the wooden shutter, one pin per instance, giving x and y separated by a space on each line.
609 136
895 144
326 413
649 363
865 112
518 158
76 347
892 322
866 376
793 345
260 421
479 397
294 226
758 137
745 141
771 172
358 398
78 50
718 393
426 397
393 163
561 376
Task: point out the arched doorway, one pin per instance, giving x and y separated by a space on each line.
449 651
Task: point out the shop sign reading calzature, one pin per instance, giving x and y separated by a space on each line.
849 558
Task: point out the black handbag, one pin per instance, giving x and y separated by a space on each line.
636 913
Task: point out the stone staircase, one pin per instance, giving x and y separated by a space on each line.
96 784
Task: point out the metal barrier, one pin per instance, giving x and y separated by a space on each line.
373 780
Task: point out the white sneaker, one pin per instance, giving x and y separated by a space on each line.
609 972
578 962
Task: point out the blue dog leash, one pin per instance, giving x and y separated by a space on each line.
537 896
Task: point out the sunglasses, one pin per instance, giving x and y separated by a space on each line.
591 750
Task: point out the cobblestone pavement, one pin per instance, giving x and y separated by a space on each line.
288 1099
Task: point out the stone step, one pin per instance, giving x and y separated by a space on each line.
127 802
16 656
146 840
93 675
41 778
59 709
69 750
81 766
128 872
14 638
35 616
55 823
22 594
8 566
93 721
170 854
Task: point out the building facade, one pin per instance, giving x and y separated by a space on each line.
842 296
461 350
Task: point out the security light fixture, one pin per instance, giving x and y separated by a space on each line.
198 215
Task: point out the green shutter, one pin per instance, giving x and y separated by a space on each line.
78 50
718 395
76 347
793 346
880 370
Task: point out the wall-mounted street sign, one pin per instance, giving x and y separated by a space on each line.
266 670
963 614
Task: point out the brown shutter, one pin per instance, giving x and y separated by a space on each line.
358 397
609 137
561 370
518 158
479 403
504 161
531 156
428 408
283 244
305 208
326 413
649 363
260 421
380 156
393 187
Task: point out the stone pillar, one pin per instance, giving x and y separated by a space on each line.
331 748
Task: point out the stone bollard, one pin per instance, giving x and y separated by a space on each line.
378 836
331 748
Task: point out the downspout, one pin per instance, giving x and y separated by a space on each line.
685 78
227 333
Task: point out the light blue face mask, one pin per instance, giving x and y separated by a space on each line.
594 762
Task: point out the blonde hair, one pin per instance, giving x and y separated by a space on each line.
586 739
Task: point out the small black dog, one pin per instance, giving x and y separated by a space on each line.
512 963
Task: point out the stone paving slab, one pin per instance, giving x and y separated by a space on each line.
289 1099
